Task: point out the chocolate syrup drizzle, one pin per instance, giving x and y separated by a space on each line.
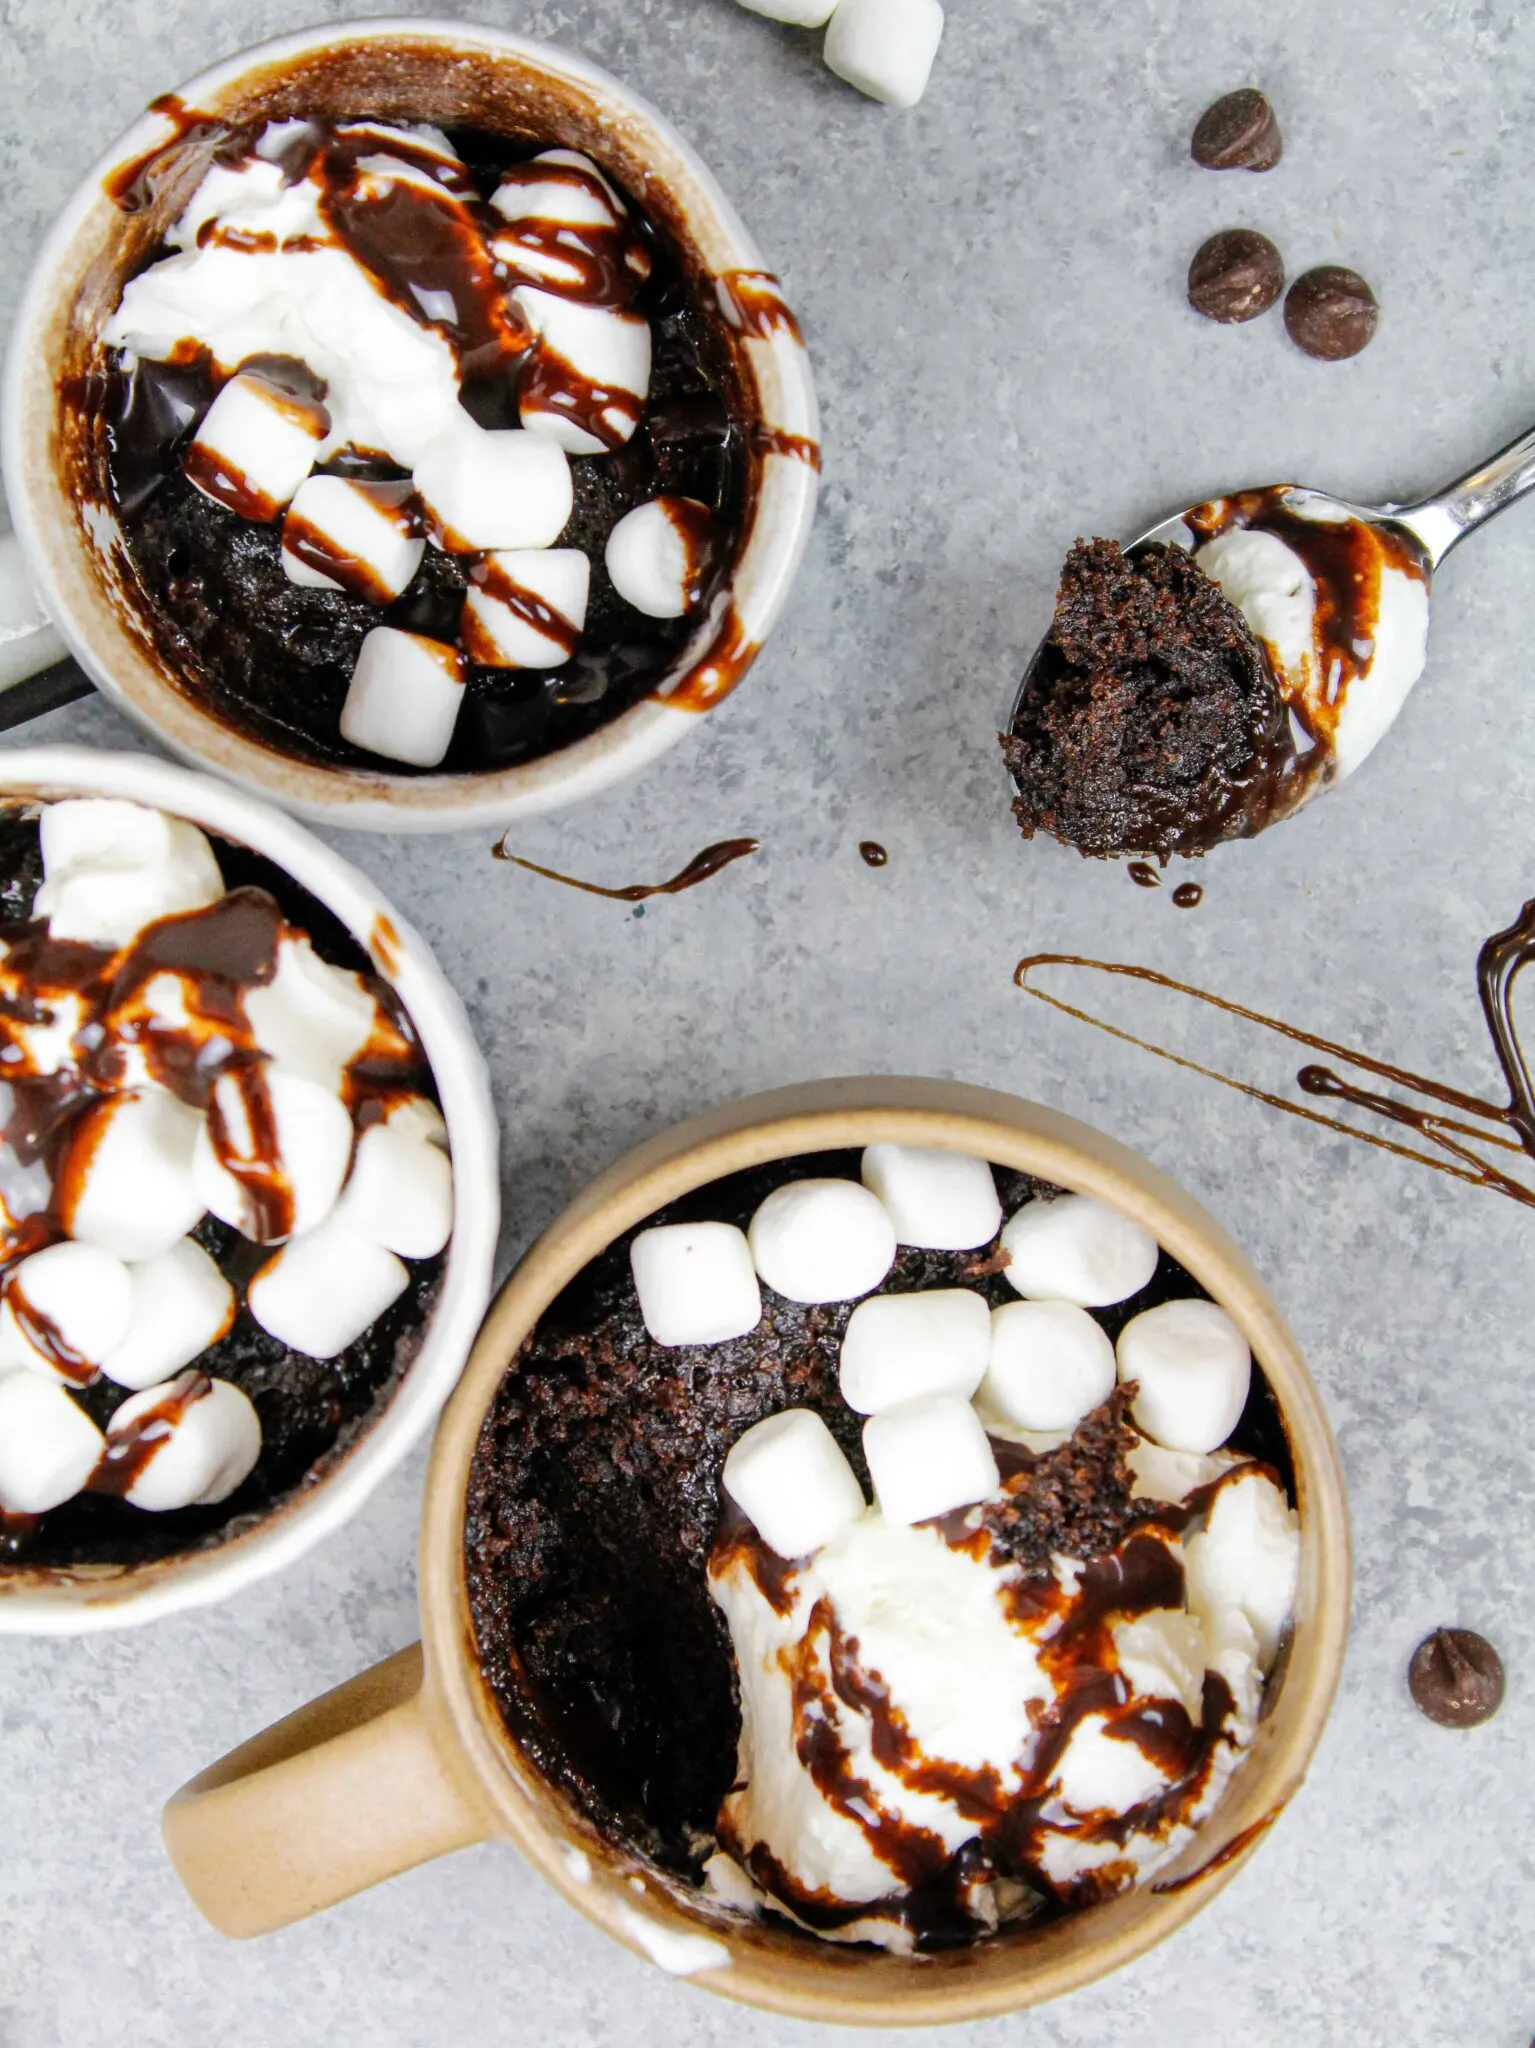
1460 1145
1073 1632
698 869
131 1451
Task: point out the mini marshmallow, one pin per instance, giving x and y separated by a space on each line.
822 1240
1050 1365
399 1194
928 1458
607 348
77 1296
696 1282
498 488
885 47
505 618
128 1170
650 558
898 1347
1193 1369
941 1201
311 1017
1077 1249
49 1447
554 199
110 868
192 1442
797 13
254 448
322 1291
343 533
1245 1556
180 1304
404 697
788 1476
313 1134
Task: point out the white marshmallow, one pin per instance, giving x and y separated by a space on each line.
797 13
822 1240
311 1017
1050 1365
1245 1557
941 1201
413 1116
343 533
81 1296
400 1193
49 1447
898 1347
494 489
928 1457
1193 1368
110 868
254 448
553 199
180 1304
498 633
607 348
129 1170
696 1282
404 697
788 1476
199 1450
322 1291
650 560
1077 1249
885 47
313 1144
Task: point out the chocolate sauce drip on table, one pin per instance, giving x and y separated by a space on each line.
873 854
1144 875
275 659
698 869
1513 1123
1188 896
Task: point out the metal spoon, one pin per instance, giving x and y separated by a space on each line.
1343 700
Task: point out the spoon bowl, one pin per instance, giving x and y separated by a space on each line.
1336 594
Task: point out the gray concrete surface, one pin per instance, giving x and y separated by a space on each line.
991 286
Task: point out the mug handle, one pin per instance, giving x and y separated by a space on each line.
29 640
346 1792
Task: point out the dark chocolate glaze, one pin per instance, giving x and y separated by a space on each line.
312 1411
594 1506
698 869
273 659
1460 1126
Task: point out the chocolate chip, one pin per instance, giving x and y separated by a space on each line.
1456 1678
1239 133
1236 276
1331 313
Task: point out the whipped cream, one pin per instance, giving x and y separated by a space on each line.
935 1740
1339 605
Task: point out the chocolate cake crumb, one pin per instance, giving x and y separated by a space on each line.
1150 722
1074 1501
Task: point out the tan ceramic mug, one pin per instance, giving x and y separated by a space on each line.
65 586
413 1759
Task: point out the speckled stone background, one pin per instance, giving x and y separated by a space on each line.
991 286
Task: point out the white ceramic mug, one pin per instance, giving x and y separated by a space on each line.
63 585
76 1601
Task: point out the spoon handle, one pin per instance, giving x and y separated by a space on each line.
1440 521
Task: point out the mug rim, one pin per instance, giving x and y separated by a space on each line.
817 1980
84 1600
48 522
